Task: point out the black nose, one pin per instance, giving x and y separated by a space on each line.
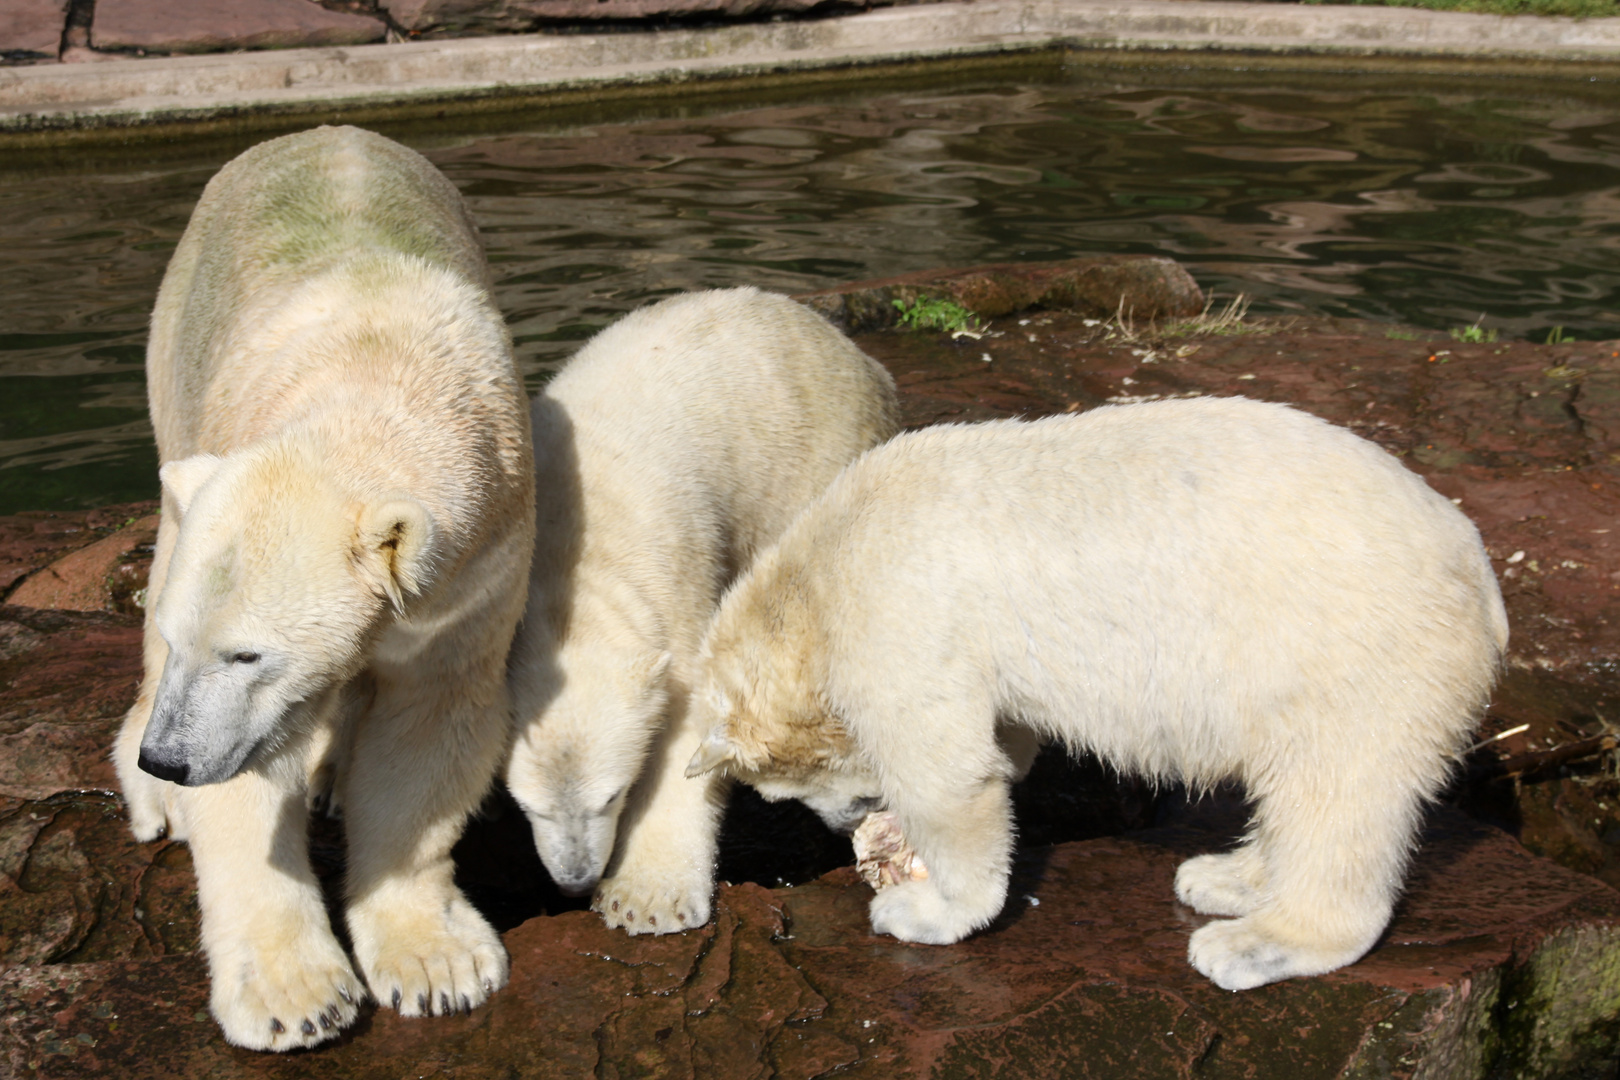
164 770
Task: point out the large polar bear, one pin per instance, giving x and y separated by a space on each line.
347 518
1192 590
676 444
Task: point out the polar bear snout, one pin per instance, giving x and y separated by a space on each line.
164 768
201 730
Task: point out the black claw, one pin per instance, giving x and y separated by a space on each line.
326 1021
397 999
306 1027
275 1026
343 992
422 1005
466 1003
489 986
444 1003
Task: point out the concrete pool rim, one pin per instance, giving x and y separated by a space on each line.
50 104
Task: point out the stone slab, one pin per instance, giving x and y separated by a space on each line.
32 540
1085 975
483 16
1147 286
194 26
477 72
32 28
108 575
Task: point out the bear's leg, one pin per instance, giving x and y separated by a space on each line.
662 876
280 980
148 799
421 760
951 794
1333 842
1231 883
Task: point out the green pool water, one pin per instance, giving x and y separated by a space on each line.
1431 205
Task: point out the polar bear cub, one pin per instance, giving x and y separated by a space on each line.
347 518
1193 590
676 444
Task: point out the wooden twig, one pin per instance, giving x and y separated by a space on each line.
1534 761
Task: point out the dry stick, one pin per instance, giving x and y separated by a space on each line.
1534 761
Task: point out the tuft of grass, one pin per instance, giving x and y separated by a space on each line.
931 313
1580 9
1400 335
1229 321
1556 336
1473 335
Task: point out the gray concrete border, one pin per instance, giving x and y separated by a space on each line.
51 100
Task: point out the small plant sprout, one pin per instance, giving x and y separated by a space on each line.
1475 334
1556 336
1212 323
932 313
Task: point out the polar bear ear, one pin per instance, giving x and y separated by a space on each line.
393 548
716 750
182 478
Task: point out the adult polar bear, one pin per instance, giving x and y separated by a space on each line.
346 526
678 443
1194 590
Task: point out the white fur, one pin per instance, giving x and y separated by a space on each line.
679 442
347 517
1192 590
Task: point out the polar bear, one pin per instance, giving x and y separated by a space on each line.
1192 590
676 444
347 517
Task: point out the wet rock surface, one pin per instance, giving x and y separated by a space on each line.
1499 962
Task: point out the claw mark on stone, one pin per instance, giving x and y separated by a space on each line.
276 1027
306 1027
396 999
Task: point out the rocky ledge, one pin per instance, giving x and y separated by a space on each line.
1503 958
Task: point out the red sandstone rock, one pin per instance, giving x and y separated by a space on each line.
189 26
32 28
31 541
66 680
108 575
496 15
1084 975
1144 286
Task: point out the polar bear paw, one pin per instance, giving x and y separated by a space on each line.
1219 884
916 911
287 996
663 904
430 961
1241 954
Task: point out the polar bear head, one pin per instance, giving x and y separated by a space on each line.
768 720
573 764
277 584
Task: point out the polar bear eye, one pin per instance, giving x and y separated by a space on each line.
245 658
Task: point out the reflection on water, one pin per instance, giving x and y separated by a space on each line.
1429 208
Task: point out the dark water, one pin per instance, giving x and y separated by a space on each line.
1431 206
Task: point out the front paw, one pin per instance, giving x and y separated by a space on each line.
280 994
916 911
654 903
428 959
150 805
1240 954
1223 884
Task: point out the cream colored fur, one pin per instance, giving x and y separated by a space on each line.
344 549
1192 590
679 442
